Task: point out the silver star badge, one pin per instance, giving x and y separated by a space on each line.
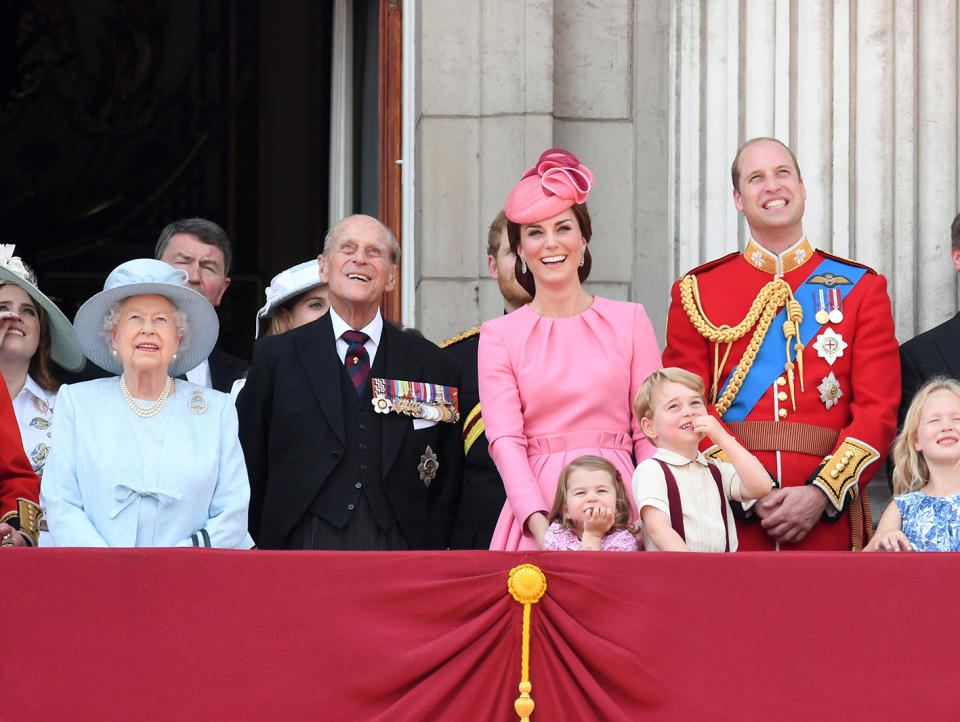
830 391
830 345
428 466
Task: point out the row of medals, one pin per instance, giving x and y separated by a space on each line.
417 409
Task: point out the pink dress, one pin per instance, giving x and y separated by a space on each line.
553 389
560 538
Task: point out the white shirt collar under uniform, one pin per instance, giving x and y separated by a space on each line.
374 330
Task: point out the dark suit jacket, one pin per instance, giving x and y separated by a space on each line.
483 494
293 433
225 369
933 353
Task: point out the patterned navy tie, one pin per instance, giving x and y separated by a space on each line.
357 360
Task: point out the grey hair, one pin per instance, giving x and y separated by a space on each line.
333 235
112 317
207 231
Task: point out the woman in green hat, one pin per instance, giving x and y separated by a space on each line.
36 341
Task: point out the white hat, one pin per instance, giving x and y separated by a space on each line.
148 276
286 285
63 344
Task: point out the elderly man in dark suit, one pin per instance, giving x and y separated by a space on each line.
202 249
348 424
935 352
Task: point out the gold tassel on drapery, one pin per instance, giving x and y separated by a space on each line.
527 584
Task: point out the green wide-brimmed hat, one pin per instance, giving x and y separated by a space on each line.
64 349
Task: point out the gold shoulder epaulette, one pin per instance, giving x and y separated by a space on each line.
848 261
460 337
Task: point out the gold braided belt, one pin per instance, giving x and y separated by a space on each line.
785 436
774 295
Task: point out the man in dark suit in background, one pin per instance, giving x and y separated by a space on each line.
483 493
935 352
347 423
202 249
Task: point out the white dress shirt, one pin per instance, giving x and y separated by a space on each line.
200 374
34 410
374 330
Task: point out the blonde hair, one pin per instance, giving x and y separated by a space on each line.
644 398
621 513
910 471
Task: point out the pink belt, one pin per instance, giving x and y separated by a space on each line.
579 440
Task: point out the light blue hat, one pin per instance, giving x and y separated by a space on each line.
143 276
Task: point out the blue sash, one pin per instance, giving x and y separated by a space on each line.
771 356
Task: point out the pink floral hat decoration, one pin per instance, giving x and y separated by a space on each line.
555 183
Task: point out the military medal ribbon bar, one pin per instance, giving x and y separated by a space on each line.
418 399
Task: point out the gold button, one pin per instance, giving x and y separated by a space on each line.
834 474
782 413
782 395
839 465
848 454
781 381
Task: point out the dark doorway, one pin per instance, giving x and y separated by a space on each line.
118 116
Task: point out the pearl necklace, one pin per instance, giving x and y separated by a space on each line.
145 412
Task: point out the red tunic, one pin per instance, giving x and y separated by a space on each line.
863 416
16 475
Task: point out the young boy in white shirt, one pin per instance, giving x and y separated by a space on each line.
683 498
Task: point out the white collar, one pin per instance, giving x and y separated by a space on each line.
676 459
374 329
34 388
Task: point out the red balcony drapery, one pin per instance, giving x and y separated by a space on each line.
176 634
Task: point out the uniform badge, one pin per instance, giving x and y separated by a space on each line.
198 404
830 280
830 391
830 345
41 405
428 466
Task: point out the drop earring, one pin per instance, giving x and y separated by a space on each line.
581 259
523 265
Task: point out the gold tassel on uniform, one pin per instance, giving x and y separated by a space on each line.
772 297
527 584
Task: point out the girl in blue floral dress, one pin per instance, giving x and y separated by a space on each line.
925 513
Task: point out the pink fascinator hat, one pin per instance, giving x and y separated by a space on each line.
555 183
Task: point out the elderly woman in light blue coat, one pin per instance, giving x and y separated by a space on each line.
143 459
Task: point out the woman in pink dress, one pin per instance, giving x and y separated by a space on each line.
558 375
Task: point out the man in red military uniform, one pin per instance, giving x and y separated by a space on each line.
797 350
17 480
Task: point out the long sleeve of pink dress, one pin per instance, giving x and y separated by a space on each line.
553 389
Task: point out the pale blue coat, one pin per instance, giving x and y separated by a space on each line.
115 479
